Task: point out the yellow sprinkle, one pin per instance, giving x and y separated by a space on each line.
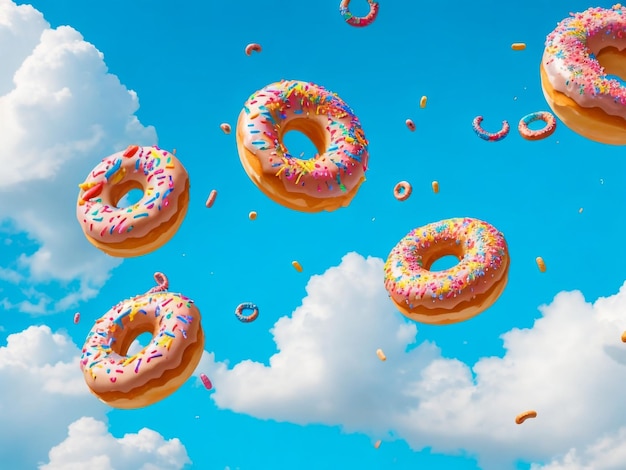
118 176
541 264
381 355
297 265
423 102
129 360
254 116
435 187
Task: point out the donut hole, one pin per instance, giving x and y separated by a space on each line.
137 344
614 63
359 7
131 198
444 262
126 193
134 340
536 125
402 190
304 138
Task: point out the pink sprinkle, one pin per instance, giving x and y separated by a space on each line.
205 380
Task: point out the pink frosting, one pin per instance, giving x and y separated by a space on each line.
569 58
175 324
410 282
157 171
343 162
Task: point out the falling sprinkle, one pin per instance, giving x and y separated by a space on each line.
541 264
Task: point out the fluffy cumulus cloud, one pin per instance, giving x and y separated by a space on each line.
61 112
90 445
570 367
42 392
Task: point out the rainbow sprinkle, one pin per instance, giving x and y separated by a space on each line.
407 275
567 48
266 114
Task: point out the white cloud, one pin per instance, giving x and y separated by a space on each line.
42 392
90 445
61 112
569 367
606 453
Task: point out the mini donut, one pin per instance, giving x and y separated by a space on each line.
582 63
452 295
327 181
402 190
542 133
160 368
145 226
357 20
254 312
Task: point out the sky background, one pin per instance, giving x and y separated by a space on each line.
302 387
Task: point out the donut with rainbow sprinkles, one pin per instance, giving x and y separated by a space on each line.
583 71
148 224
128 381
327 181
455 294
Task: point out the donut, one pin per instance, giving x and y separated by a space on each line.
490 136
402 190
583 60
160 368
455 294
254 312
327 181
542 133
142 227
357 20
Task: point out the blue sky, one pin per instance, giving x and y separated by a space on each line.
302 387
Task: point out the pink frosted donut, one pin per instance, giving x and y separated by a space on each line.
357 20
455 294
581 67
326 182
142 227
161 367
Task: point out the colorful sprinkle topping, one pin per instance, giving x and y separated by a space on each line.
407 272
568 46
266 114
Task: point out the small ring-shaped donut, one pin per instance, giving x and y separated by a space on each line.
162 283
247 306
402 190
542 133
491 137
358 21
